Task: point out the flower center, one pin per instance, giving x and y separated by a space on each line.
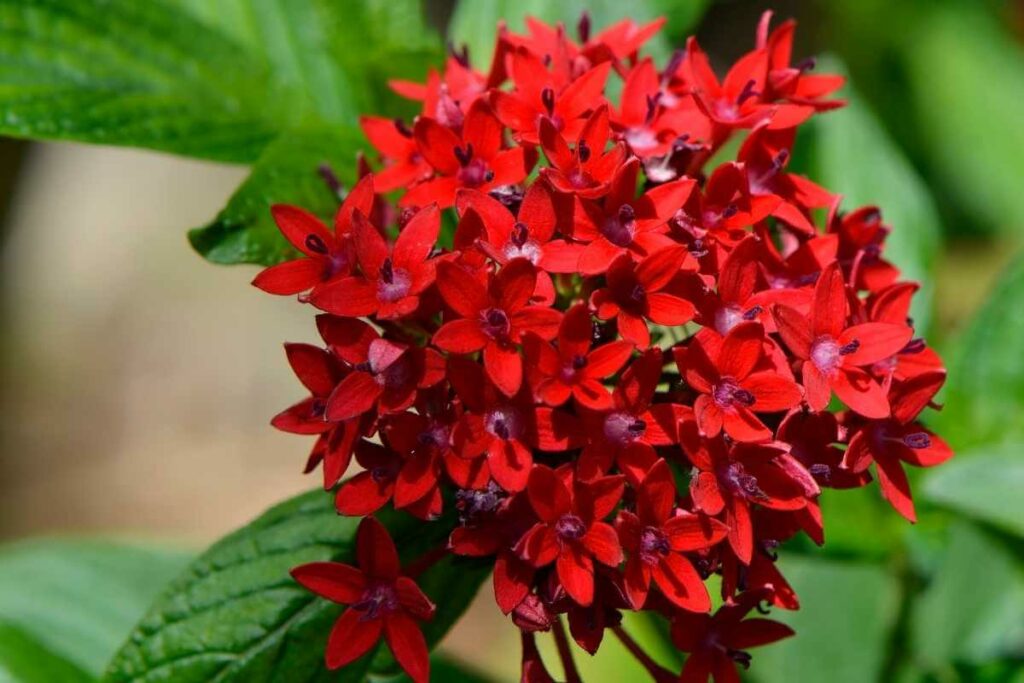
570 528
495 323
623 428
520 245
653 545
727 393
620 228
825 354
377 600
571 367
394 283
741 483
503 423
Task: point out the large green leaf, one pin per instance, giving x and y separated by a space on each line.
217 80
474 23
984 397
286 172
971 610
970 116
853 155
24 660
236 614
74 600
985 484
846 617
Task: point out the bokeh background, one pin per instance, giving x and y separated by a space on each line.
137 380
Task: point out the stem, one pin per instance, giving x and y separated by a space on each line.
658 673
426 560
572 674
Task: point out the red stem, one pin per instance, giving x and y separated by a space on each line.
657 672
572 674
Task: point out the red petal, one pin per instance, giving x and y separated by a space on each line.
771 392
576 574
337 582
437 145
657 496
602 541
895 487
290 277
548 495
741 530
363 495
460 336
875 342
352 297
482 130
351 638
375 551
313 366
606 360
741 349
861 392
298 224
705 492
408 645
687 531
665 309
504 366
371 249
681 583
353 396
512 578
756 632
829 313
417 238
794 330
513 286
510 463
412 599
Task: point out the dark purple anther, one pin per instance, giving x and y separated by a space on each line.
914 346
461 55
847 349
673 65
547 98
520 234
464 154
330 178
752 313
917 440
387 271
652 106
402 129
747 92
583 27
315 244
583 151
570 528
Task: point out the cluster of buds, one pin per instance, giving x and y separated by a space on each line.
626 370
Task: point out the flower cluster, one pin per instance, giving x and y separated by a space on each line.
626 363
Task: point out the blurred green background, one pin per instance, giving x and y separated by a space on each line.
136 380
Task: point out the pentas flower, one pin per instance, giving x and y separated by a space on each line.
327 255
380 602
835 353
717 644
733 389
571 532
392 277
494 318
655 539
639 366
574 369
474 159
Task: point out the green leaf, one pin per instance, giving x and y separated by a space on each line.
75 599
130 73
475 23
24 660
852 155
236 614
985 484
970 116
847 615
971 610
984 396
286 172
217 80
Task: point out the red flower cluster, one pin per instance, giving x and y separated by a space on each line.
625 370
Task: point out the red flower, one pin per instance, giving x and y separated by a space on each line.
574 369
734 383
491 227
404 165
327 255
624 225
494 318
474 160
627 433
656 536
718 643
392 279
504 430
380 602
538 96
588 169
834 353
571 533
635 294
733 479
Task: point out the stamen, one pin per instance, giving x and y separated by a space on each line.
402 128
331 180
461 56
847 349
752 313
570 527
673 65
806 64
315 244
914 346
520 234
583 151
547 98
917 440
583 27
626 213
387 271
464 154
652 106
747 92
